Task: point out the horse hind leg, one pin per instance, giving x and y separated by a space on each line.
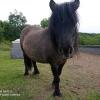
36 71
60 68
28 64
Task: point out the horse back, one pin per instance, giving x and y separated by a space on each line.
26 31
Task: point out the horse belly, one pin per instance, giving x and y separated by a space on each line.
35 52
39 57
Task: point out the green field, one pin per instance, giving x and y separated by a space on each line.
13 82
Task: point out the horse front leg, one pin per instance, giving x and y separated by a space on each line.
56 80
59 71
60 68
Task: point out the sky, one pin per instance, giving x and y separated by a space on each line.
36 10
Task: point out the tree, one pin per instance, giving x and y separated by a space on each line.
8 31
16 21
11 29
44 23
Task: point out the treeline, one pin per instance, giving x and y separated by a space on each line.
11 29
89 39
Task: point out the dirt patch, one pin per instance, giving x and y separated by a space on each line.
83 74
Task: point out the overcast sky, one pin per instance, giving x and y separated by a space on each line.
36 10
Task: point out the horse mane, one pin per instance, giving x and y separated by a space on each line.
70 20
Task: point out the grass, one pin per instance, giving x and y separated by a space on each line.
12 81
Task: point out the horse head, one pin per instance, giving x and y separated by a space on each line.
63 25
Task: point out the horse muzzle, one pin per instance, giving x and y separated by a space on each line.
68 52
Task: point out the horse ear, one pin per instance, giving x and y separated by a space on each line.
75 4
52 5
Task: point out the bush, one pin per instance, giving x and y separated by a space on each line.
89 39
44 23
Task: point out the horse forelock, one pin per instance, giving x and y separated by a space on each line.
63 17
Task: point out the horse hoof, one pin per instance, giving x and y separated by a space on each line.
57 94
36 73
58 98
26 74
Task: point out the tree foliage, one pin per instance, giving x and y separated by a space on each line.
1 30
44 23
17 19
89 39
11 29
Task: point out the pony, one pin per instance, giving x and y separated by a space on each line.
54 44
